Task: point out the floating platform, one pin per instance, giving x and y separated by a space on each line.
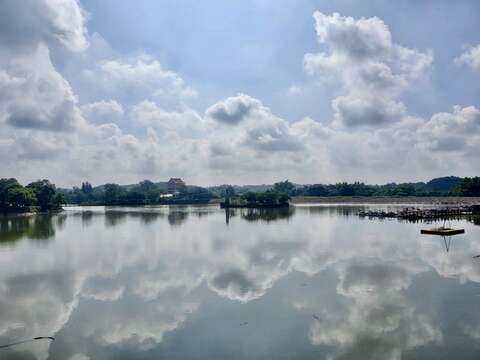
442 231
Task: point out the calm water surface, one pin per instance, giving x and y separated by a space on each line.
310 282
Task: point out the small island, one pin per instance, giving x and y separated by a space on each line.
267 199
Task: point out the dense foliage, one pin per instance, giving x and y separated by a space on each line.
39 195
144 193
468 187
266 199
43 195
445 186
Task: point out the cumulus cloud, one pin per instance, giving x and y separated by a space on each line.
257 127
471 57
233 110
354 111
129 115
104 111
26 23
245 136
43 147
369 115
451 131
148 113
137 78
372 69
36 95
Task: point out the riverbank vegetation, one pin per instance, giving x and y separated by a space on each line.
144 193
446 186
40 195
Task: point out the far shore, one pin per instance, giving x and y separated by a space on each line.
428 200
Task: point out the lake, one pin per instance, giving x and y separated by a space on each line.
309 282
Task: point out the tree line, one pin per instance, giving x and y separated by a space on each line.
144 193
39 195
42 195
448 186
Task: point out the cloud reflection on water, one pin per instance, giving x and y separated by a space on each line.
122 279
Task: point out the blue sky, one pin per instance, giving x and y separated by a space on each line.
142 89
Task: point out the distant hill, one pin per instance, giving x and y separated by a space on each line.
443 184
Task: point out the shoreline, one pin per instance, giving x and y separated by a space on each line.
427 200
308 200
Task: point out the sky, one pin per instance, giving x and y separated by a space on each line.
239 92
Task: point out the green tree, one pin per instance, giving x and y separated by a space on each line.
150 191
468 187
20 198
87 188
317 190
114 194
45 193
229 193
146 186
284 187
134 197
250 197
15 197
5 186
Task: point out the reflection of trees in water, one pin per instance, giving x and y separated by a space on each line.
331 210
266 215
147 217
87 217
475 219
35 227
177 218
116 217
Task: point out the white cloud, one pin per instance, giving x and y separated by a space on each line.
255 125
451 131
470 57
233 110
37 96
104 111
148 113
354 111
26 23
135 79
371 68
136 118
